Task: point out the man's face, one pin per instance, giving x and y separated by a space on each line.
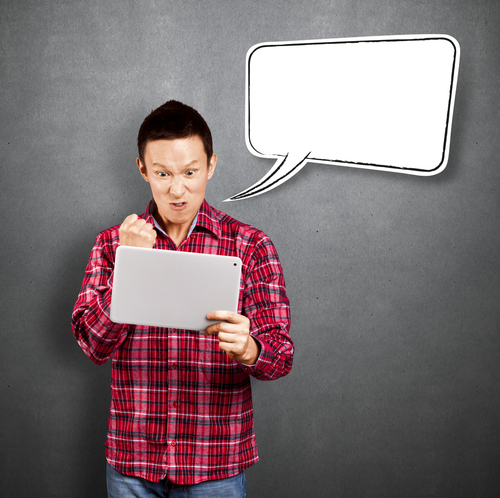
177 172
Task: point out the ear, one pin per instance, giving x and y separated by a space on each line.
142 169
211 165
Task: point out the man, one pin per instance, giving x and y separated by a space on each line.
181 418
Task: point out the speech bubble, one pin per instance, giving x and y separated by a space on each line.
383 103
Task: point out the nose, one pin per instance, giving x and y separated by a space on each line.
177 187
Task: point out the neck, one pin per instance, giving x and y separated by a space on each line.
176 231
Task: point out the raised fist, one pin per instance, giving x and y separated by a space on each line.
136 232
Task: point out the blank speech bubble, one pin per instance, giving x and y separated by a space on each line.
383 103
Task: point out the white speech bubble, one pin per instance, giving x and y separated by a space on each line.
383 103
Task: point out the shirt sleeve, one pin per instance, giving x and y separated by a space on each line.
266 304
93 329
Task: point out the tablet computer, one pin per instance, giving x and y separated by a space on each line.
172 289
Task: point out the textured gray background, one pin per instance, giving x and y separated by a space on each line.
394 280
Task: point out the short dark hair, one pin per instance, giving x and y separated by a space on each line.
174 120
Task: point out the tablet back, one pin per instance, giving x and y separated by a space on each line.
172 288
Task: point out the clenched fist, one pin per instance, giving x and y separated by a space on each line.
136 232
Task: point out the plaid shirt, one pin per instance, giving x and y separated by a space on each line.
180 407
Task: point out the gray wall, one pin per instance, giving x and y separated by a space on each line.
394 280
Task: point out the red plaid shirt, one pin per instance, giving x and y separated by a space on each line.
180 407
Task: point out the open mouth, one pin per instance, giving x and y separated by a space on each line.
177 205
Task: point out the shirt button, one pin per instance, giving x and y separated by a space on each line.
174 404
174 330
192 236
173 443
174 366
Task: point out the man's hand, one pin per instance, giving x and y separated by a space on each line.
136 232
234 337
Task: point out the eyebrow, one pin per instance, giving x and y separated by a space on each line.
188 165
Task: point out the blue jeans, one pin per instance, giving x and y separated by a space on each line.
122 486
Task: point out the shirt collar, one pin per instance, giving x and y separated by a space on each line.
208 219
205 218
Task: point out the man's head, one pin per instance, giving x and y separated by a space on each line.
176 159
174 120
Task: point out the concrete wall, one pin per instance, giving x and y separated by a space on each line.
394 280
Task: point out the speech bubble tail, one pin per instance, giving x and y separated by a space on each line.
283 169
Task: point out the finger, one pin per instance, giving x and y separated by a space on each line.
231 348
229 338
141 227
220 315
140 223
231 328
131 218
226 348
229 316
223 327
213 329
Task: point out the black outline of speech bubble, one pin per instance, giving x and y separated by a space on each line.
245 194
256 190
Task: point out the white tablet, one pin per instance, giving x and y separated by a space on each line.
172 289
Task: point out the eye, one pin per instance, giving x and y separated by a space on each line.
162 174
190 172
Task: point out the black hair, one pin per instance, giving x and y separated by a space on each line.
174 120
